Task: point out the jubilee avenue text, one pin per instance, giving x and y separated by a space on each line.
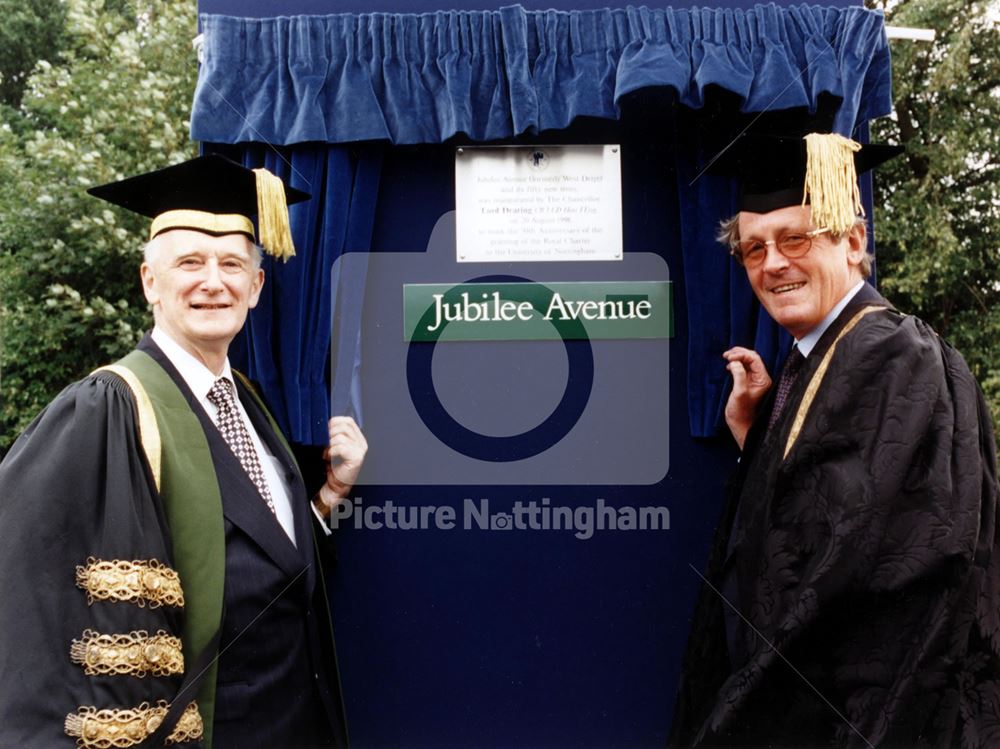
493 308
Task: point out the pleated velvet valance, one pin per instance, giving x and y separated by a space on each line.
491 75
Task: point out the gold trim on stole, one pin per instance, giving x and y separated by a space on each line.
149 432
817 379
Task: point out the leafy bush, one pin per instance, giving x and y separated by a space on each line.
113 102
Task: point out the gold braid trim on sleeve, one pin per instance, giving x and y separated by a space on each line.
133 654
122 728
141 582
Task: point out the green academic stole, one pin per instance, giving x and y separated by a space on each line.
179 456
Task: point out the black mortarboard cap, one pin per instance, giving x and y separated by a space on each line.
211 194
777 171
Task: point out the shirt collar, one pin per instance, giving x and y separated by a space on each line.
196 375
810 339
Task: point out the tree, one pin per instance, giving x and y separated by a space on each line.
32 30
114 101
937 209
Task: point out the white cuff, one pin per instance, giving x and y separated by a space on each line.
322 521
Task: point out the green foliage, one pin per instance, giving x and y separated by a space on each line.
31 31
937 208
114 101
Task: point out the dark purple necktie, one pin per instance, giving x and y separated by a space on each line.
793 365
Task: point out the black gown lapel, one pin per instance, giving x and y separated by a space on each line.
762 441
759 437
866 297
301 512
242 504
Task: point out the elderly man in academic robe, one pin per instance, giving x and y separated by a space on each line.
160 576
852 596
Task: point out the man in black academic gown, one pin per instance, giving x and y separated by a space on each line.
853 589
156 537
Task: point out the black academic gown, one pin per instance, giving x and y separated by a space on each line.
75 486
275 684
863 564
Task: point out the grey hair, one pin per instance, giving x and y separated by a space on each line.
149 251
729 235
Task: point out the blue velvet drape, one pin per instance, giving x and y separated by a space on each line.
286 343
312 82
497 74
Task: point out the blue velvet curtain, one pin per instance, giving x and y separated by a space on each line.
310 81
286 343
496 74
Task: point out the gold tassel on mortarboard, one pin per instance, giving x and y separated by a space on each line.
272 215
831 187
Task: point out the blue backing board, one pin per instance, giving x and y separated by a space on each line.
528 638
451 638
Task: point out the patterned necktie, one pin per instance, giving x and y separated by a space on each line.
793 364
235 433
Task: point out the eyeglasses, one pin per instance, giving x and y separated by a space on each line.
750 253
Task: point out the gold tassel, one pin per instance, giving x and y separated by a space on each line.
831 181
272 215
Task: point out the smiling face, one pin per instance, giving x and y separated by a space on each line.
799 292
201 288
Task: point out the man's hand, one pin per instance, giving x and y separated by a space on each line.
750 384
345 455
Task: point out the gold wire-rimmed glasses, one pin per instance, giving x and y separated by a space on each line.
750 253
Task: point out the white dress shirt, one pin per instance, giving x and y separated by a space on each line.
200 379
